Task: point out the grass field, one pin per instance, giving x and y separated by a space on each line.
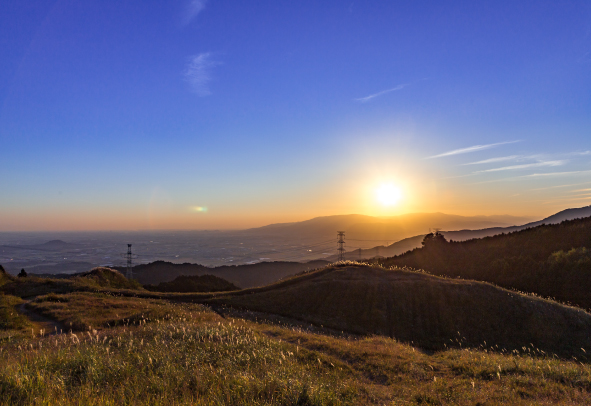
163 353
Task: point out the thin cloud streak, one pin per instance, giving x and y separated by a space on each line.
526 157
499 159
535 175
373 96
474 148
193 8
524 166
580 153
198 73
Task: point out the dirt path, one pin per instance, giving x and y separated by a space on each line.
40 322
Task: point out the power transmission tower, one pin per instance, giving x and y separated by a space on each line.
129 262
341 245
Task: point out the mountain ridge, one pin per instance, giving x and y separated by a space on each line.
409 243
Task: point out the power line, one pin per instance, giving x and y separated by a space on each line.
388 240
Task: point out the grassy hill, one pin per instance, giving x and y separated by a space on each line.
195 283
550 260
100 278
107 278
116 347
429 311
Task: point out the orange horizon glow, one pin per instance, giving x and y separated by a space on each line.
406 191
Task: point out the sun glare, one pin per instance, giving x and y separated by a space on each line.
388 194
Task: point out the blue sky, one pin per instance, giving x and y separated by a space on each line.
131 114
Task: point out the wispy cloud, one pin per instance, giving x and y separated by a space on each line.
192 9
524 166
539 175
580 153
499 159
198 73
471 149
551 174
383 92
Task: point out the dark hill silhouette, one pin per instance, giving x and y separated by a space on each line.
195 283
410 243
246 276
427 310
56 244
568 214
551 260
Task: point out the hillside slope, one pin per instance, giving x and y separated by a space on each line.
415 307
539 260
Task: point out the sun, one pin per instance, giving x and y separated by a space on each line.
388 194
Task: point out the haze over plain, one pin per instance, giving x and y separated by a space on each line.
227 115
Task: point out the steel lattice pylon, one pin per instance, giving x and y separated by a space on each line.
341 245
129 262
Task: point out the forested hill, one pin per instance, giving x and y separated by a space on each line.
550 260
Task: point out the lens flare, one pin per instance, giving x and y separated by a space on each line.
200 209
388 194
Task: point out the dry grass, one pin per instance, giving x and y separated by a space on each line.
191 355
135 351
82 311
11 321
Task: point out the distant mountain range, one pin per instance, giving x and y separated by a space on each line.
383 228
53 245
410 243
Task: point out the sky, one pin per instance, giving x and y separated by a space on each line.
224 114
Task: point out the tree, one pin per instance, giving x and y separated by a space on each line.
22 273
434 240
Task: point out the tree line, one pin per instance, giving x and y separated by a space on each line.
550 260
